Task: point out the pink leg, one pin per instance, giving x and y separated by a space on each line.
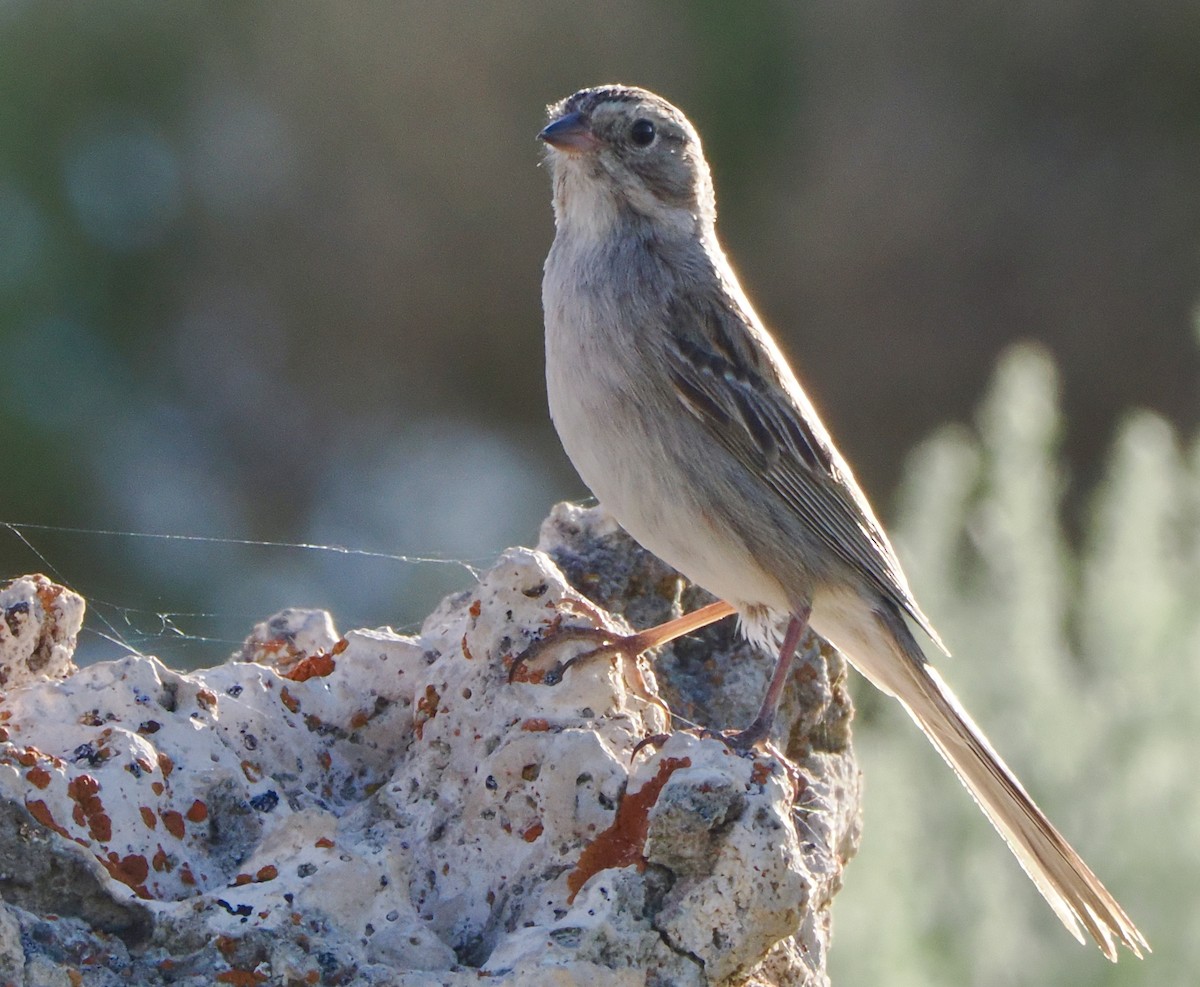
760 729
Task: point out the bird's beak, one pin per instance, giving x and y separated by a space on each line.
569 133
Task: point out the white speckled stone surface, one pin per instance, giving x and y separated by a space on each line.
381 809
39 622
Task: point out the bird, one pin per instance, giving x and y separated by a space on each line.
682 415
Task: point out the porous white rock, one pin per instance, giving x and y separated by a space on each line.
39 624
388 809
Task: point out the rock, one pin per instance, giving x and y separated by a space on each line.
44 873
384 809
39 624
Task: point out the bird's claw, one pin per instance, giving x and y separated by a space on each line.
655 740
743 743
607 643
518 670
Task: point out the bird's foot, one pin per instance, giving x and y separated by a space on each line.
607 643
755 735
752 741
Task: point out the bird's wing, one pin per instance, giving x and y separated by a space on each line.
730 375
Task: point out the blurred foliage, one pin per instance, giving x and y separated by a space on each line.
252 252
1082 666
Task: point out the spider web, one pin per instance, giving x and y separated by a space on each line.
194 637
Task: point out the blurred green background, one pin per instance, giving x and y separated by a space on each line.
270 271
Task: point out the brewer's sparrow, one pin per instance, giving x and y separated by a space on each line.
683 417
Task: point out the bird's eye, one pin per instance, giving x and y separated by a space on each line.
642 133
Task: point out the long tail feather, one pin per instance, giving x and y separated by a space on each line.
878 642
1059 873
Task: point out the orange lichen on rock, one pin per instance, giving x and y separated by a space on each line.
173 821
427 708
315 666
160 861
47 594
41 812
288 700
760 772
621 844
197 813
85 792
267 873
242 978
131 870
525 672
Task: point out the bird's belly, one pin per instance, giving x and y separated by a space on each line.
638 478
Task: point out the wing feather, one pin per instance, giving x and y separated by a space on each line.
742 391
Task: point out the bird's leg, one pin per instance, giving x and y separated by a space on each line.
669 630
629 646
760 728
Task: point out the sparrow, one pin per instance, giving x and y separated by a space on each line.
681 414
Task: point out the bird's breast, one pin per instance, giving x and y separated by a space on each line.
631 441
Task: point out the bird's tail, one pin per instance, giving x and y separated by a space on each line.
1065 881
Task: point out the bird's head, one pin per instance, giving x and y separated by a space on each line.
623 153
